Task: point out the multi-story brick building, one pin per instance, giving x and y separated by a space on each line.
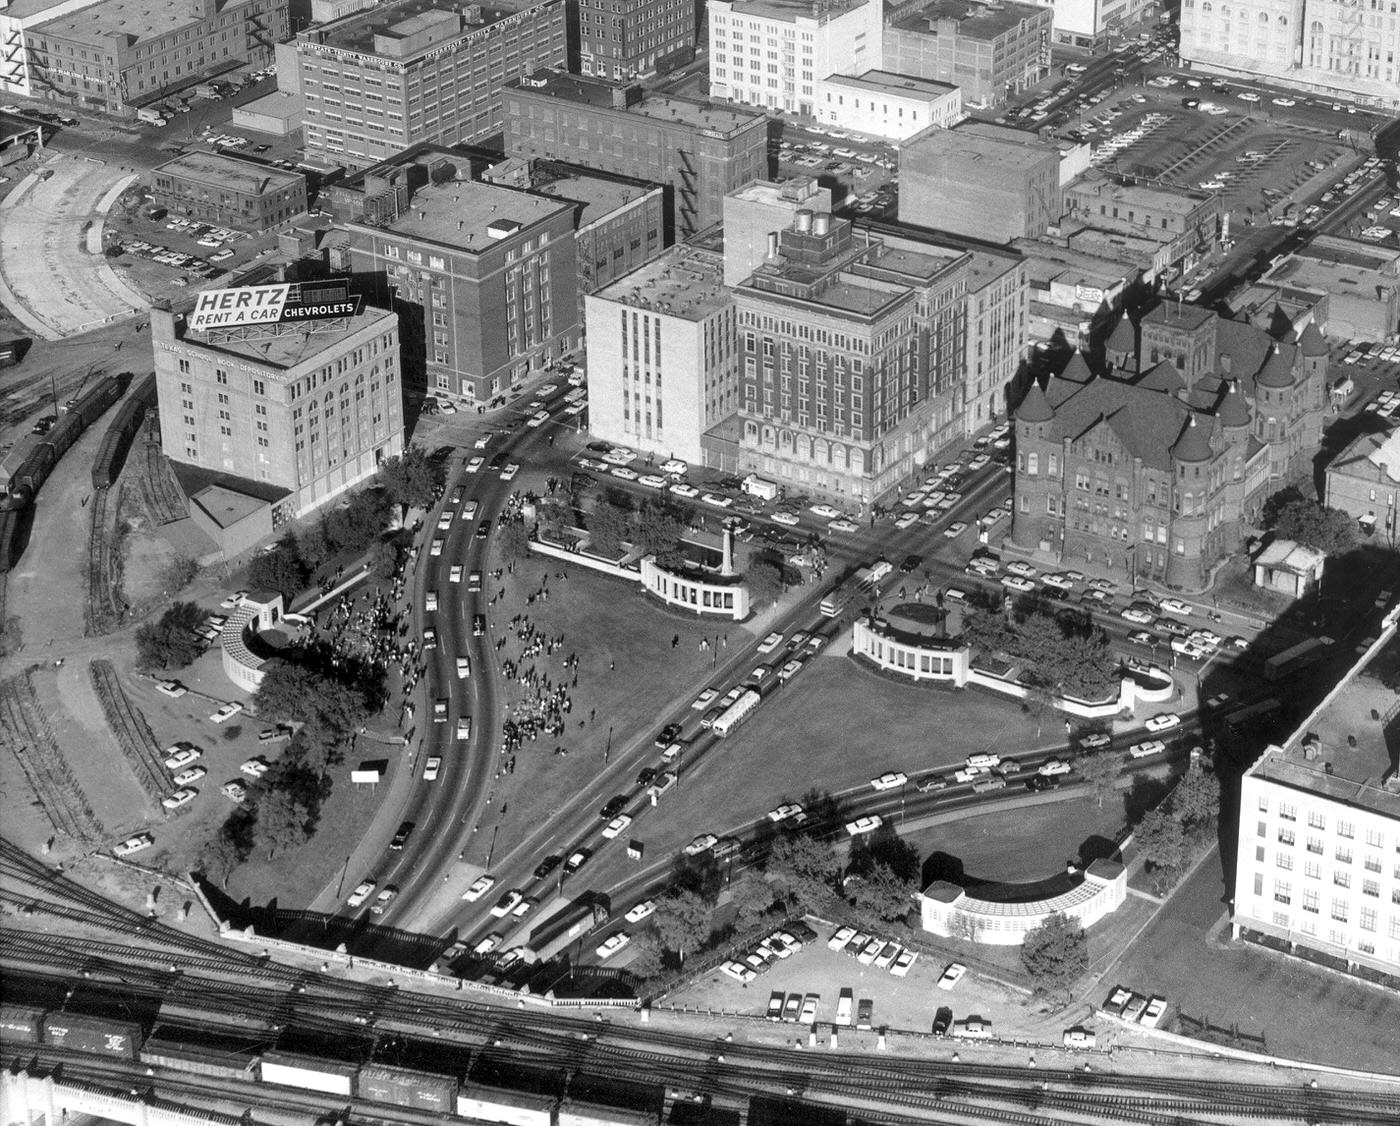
888 105
409 71
998 327
699 150
981 180
308 407
663 356
1364 480
486 278
240 194
772 53
852 350
990 51
1317 867
624 39
115 55
1185 224
1155 466
1336 48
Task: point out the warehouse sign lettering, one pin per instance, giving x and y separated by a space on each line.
271 304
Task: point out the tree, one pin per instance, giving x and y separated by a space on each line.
1329 530
608 529
1100 773
1196 799
659 528
765 582
220 856
282 569
329 710
750 896
682 921
170 642
11 636
179 573
882 894
282 821
412 479
805 871
383 558
1055 954
514 539
355 526
1161 839
647 956
966 927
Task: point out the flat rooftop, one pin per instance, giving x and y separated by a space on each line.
225 506
686 282
295 344
921 263
1176 200
135 21
975 21
804 191
222 171
1319 757
405 29
599 94
31 10
792 10
459 213
992 146
599 195
888 82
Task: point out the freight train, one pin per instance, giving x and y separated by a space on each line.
34 470
111 454
441 1084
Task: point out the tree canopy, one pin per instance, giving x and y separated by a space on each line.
609 528
412 479
658 530
1055 954
1100 773
282 569
682 921
805 871
765 581
170 641
1065 652
1292 516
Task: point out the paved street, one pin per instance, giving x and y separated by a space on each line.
51 281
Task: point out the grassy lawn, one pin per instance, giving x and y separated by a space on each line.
629 678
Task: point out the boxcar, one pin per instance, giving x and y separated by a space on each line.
399 1086
95 1035
308 1073
21 1024
491 1104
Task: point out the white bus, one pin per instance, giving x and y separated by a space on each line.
736 713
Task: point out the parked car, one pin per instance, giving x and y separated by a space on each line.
952 975
133 844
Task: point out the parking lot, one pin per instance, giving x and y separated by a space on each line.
862 171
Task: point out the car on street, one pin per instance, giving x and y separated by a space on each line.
383 899
430 637
474 465
1137 616
440 707
1024 570
702 701
180 755
640 911
1053 767
612 944
1248 96
478 625
867 824
482 885
616 826
483 529
133 844
1143 637
1163 721
788 519
435 548
718 500
955 529
911 563
890 780
431 768
363 890
952 975
841 524
1147 747
182 796
509 472
430 601
464 667
577 860
1017 583
784 812
455 574
506 904
401 835
825 511
668 735
703 843
464 728
1174 606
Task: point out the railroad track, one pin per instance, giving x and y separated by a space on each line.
133 735
102 609
28 736
163 490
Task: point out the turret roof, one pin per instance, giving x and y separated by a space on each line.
1193 444
1035 407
